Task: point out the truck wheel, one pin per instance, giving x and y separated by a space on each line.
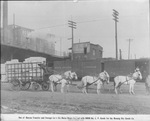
25 85
15 84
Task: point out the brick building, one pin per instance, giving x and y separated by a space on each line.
87 51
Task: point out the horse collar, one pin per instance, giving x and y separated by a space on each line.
127 78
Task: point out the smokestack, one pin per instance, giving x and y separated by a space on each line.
5 19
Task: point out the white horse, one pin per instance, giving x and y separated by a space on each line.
99 81
147 84
64 80
128 80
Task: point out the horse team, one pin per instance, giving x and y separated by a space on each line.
66 79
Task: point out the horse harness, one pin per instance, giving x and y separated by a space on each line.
127 80
61 79
93 82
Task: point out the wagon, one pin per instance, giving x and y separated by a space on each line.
23 75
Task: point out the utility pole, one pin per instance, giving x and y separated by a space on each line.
60 46
129 48
5 21
120 54
14 28
14 34
72 25
135 56
115 15
14 19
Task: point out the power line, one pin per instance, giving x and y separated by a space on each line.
52 26
79 22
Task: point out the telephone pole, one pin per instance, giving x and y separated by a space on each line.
120 54
129 48
115 15
60 47
72 25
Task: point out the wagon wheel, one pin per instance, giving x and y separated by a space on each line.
15 84
45 86
25 85
35 86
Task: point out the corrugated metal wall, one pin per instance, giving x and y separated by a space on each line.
62 66
144 66
94 67
121 67
82 68
125 67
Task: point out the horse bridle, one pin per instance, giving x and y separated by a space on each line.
106 77
131 77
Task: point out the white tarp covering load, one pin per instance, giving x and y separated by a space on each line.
35 59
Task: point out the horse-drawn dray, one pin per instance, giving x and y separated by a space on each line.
23 75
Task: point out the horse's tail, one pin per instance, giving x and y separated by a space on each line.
114 83
147 81
82 82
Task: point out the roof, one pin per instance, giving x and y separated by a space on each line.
17 26
89 43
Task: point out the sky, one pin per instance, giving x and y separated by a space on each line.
94 22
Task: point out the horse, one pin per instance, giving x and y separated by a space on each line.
64 80
128 80
104 76
99 81
147 84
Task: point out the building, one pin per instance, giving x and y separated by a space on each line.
87 51
21 37
17 36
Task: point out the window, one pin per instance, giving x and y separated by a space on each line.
85 50
94 52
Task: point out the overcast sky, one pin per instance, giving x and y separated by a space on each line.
94 23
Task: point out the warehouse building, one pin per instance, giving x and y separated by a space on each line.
87 51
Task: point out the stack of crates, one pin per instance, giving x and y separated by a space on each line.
25 71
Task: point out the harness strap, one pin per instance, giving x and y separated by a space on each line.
58 79
127 80
94 81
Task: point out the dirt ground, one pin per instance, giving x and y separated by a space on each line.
74 102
